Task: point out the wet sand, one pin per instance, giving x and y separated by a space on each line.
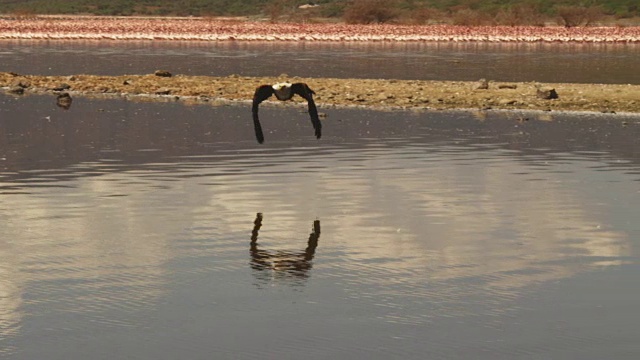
331 92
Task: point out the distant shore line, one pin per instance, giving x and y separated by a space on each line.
221 29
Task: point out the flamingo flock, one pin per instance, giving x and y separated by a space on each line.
205 29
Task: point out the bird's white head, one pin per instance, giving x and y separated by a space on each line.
281 85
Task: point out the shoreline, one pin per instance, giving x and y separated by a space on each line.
332 92
219 29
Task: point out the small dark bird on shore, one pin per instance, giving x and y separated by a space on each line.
285 91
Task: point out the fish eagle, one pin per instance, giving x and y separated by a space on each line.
285 91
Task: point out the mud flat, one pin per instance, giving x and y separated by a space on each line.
216 29
330 92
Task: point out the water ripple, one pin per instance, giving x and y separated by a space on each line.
363 245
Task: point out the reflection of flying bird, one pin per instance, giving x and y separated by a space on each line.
285 91
287 263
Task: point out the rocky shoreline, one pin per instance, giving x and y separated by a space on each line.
331 92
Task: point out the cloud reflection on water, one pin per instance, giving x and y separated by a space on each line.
430 215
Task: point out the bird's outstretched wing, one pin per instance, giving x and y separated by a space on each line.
262 93
303 90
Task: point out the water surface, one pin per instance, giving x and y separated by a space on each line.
163 231
544 62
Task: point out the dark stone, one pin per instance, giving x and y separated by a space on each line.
64 101
162 73
507 86
482 84
507 102
21 83
18 90
546 93
61 87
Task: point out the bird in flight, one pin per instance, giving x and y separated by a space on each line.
285 91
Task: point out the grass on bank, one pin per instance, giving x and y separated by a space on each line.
459 12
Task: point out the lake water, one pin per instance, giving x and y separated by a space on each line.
164 230
543 62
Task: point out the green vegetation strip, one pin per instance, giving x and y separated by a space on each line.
461 12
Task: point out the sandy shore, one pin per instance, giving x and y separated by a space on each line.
215 29
379 94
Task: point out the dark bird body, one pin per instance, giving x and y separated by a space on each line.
283 92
